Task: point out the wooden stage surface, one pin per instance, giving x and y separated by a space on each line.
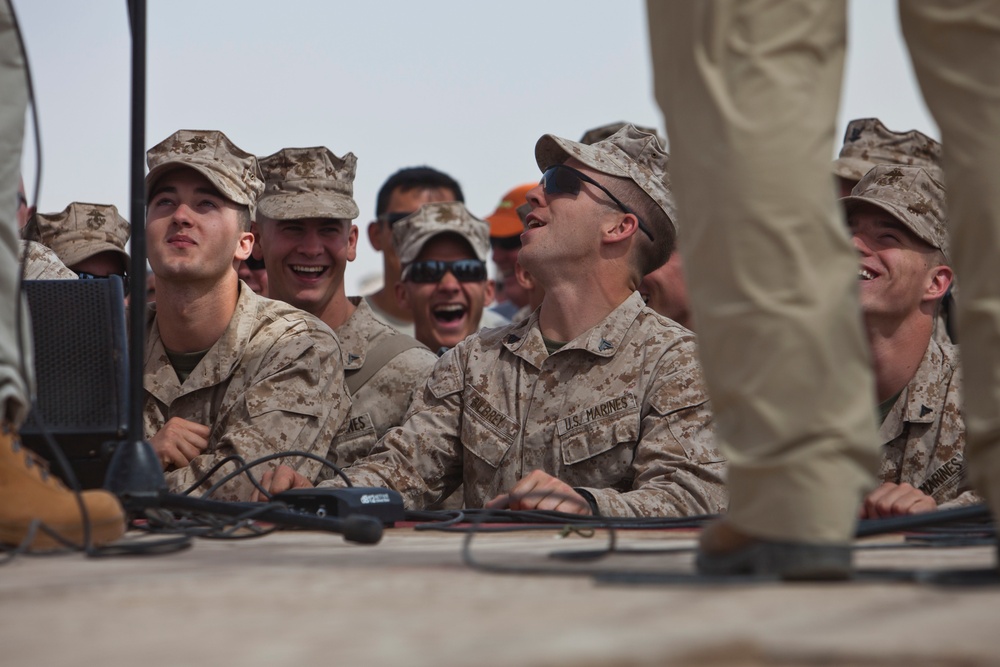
307 598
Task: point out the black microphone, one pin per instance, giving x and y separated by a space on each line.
356 528
361 529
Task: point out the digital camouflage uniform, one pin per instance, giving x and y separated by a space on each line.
272 383
42 263
619 412
924 435
382 401
269 384
314 183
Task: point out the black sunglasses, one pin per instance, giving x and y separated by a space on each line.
83 275
433 270
562 180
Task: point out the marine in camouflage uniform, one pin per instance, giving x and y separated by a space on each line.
447 303
615 421
272 381
867 144
306 239
898 221
619 412
89 238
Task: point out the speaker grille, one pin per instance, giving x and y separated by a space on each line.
75 356
81 372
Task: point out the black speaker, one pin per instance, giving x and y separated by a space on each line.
81 371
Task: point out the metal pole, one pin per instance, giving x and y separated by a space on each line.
134 472
137 213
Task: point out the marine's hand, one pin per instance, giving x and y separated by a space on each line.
892 499
280 479
179 441
541 491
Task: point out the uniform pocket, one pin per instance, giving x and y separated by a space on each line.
487 432
592 431
355 441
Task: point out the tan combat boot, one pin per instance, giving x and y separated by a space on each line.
28 493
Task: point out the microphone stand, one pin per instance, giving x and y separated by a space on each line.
134 472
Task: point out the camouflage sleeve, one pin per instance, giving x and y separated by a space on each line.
382 402
294 400
966 499
42 263
422 458
406 372
678 470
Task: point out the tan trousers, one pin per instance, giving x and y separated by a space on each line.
13 104
750 92
955 48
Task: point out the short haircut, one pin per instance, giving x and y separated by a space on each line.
415 177
246 220
649 254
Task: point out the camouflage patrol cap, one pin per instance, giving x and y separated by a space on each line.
628 153
867 143
81 231
209 152
913 195
595 134
308 183
412 232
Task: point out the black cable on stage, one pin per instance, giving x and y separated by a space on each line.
444 520
896 524
245 468
574 523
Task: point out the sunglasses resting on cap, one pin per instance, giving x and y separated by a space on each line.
433 270
562 180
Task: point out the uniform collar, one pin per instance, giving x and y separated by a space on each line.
923 398
219 361
603 340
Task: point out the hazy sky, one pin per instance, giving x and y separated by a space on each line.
466 87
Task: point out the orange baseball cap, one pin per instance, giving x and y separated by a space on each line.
505 222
